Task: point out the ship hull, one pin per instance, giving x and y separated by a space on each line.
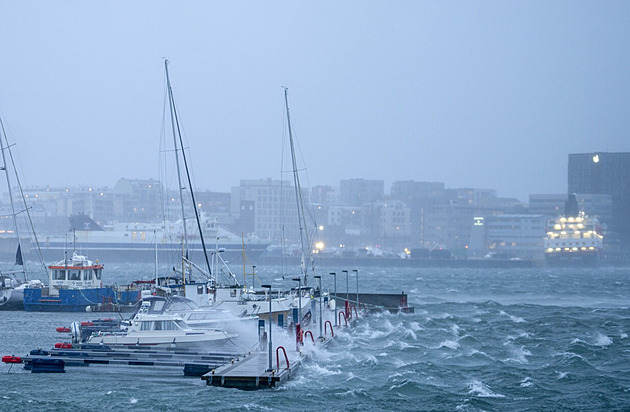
76 300
572 259
137 252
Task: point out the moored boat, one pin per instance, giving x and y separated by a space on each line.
74 285
157 328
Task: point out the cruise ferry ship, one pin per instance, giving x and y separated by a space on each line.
127 241
573 236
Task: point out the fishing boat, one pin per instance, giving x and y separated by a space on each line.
74 285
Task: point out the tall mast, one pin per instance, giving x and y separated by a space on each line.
176 147
298 194
4 167
177 134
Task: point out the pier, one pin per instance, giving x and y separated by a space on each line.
266 366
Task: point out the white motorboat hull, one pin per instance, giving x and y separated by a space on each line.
185 339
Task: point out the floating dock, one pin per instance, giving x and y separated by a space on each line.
252 372
258 369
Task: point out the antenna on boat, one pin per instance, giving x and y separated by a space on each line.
177 134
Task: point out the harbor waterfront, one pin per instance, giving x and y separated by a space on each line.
480 339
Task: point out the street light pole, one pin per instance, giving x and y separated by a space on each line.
270 344
335 275
347 289
319 278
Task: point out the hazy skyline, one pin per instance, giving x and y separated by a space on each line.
473 94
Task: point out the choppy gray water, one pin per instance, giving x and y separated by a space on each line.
481 339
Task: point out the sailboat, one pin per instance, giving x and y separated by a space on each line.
14 280
306 257
209 291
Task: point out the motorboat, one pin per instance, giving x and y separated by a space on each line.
161 329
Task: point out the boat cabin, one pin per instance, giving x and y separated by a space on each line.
76 273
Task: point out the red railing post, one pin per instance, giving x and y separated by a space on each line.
278 357
345 320
332 332
355 311
311 333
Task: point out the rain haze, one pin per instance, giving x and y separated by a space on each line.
473 94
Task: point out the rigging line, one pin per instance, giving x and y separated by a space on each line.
192 192
283 243
160 165
3 133
298 189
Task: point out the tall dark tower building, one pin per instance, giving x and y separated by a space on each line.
609 174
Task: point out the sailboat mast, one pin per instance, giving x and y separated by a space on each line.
176 147
4 167
176 134
298 192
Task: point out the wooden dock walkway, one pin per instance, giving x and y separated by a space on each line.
252 371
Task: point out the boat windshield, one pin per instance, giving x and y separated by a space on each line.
179 303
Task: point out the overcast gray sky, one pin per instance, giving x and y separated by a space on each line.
491 94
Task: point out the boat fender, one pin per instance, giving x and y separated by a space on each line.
306 319
11 359
75 332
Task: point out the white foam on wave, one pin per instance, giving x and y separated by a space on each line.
481 390
513 318
133 400
527 382
451 344
255 406
519 355
602 340
415 326
318 370
623 336
398 344
562 375
474 352
409 333
455 329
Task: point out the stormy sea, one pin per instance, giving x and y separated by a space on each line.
479 340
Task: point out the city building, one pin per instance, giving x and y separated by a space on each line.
604 173
357 192
270 206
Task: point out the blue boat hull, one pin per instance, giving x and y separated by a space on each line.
77 300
